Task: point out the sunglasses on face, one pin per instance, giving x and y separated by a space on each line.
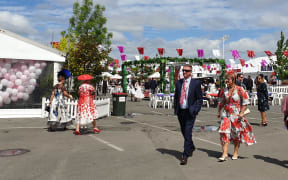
186 70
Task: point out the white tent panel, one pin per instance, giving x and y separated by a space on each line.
16 47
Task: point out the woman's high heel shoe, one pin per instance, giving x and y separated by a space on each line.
234 158
77 133
96 130
222 159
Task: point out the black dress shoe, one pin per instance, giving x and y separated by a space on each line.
191 153
183 160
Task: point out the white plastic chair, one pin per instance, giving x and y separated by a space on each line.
157 100
167 101
206 102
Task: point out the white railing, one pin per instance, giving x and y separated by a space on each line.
279 89
102 105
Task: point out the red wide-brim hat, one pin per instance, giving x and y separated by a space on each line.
84 77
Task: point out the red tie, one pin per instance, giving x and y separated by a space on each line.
183 93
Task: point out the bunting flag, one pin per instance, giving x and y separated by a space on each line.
137 57
235 54
251 65
179 51
228 66
140 50
268 53
160 51
111 64
146 57
216 52
121 49
118 65
242 61
208 67
246 65
251 54
204 66
264 62
285 53
200 53
123 57
116 61
128 69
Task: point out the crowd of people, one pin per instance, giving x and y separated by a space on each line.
188 98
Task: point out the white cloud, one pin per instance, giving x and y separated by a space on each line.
16 23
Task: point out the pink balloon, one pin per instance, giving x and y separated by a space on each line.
20 95
26 72
19 74
7 76
10 84
23 67
21 88
37 65
32 82
14 98
5 95
23 78
13 78
43 64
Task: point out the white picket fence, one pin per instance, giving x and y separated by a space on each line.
102 105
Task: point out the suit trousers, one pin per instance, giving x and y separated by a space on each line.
186 123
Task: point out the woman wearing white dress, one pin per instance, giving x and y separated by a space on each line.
138 92
58 117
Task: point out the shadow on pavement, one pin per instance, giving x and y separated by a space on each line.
176 154
272 160
255 124
211 153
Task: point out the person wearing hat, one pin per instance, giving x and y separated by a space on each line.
58 116
86 109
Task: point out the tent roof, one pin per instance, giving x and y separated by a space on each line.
13 46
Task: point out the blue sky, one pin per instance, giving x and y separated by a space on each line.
188 24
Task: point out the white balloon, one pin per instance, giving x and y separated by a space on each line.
13 77
38 72
7 101
9 90
43 64
14 92
25 96
32 75
4 71
0 74
23 78
1 86
19 74
32 81
1 100
18 82
32 69
7 66
1 104
30 89
4 82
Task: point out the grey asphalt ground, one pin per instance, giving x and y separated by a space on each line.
144 146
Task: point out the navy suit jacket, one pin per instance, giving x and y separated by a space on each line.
195 98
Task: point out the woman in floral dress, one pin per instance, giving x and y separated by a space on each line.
234 126
263 101
86 109
58 117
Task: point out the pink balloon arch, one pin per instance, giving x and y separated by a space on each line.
18 79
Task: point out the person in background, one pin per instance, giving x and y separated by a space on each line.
239 81
58 116
153 85
105 86
86 110
263 99
234 126
249 84
188 100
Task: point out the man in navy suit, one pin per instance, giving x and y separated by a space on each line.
187 103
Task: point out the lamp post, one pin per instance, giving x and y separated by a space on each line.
224 38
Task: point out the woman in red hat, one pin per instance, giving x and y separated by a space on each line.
86 109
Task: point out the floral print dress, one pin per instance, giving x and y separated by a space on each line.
86 109
58 115
233 129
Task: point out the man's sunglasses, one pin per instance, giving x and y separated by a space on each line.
186 70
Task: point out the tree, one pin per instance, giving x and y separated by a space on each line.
281 66
91 38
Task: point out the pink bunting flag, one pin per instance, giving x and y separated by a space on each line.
121 49
264 62
228 65
128 69
111 64
246 65
123 57
200 53
235 54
